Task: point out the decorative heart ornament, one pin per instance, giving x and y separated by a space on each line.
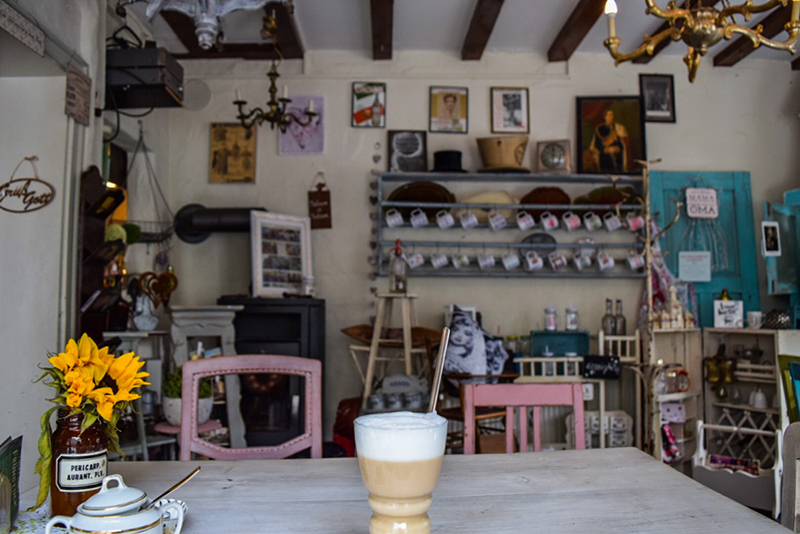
158 287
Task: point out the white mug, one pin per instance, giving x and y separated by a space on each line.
532 261
393 218
445 219
418 218
549 221
571 221
414 260
592 222
485 261
635 222
525 220
611 221
439 260
468 219
754 320
460 260
582 260
635 262
605 261
557 261
497 221
510 260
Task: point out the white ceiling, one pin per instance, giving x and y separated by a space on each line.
441 25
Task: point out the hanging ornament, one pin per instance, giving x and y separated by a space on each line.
319 203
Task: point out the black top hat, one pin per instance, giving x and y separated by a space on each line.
447 161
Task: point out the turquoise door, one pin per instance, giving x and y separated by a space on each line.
730 238
783 272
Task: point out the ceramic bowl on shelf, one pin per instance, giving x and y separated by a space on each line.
421 192
607 194
546 195
548 243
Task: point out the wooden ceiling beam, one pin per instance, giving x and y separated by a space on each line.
663 44
742 47
288 37
575 29
382 20
480 28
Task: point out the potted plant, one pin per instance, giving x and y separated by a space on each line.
171 403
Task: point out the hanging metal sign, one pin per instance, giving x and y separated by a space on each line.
701 203
23 195
79 95
21 28
319 204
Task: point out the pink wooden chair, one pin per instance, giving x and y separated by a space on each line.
522 395
194 371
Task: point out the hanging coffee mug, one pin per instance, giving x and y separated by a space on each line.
532 261
468 219
497 221
393 218
418 218
460 260
445 219
439 260
635 222
592 222
557 261
525 220
611 221
414 260
571 221
549 221
510 260
485 261
635 262
582 260
605 261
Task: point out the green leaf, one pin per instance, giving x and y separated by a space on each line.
45 459
88 420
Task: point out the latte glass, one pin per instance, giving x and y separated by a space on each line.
400 455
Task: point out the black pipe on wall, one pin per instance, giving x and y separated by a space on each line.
194 222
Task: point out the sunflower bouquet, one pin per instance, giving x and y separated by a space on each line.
92 382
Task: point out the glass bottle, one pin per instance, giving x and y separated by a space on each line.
376 111
724 295
398 278
512 345
571 318
550 319
608 321
524 348
79 464
619 321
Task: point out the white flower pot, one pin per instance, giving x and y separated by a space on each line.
172 410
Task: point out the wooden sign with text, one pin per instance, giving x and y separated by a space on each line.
319 207
24 195
78 96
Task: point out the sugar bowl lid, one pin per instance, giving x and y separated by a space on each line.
120 499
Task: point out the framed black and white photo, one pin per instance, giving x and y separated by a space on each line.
658 97
448 110
510 110
770 239
408 151
281 254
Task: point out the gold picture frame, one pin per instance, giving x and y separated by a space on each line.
232 154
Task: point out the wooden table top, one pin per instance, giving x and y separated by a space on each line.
610 490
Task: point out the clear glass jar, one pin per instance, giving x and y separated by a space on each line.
550 319
524 348
512 345
571 318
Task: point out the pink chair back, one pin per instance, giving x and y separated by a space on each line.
522 395
194 371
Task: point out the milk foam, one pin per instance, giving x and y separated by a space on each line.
401 436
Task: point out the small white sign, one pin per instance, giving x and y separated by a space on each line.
78 95
728 313
21 28
694 266
702 203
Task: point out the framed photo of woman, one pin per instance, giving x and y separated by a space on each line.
658 97
281 253
510 110
448 109
610 135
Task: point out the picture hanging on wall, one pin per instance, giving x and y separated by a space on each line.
233 154
510 110
369 105
448 110
281 253
610 135
770 239
658 97
407 151
304 140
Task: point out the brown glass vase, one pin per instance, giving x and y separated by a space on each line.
80 462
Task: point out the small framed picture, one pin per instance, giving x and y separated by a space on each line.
408 151
232 154
510 110
658 97
610 135
369 105
281 253
770 239
448 109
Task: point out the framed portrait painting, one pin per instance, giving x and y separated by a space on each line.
281 253
369 105
510 110
658 97
232 154
610 135
448 109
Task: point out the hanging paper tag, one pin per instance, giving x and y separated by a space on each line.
319 204
702 203
79 95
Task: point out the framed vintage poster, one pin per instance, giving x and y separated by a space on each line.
281 253
510 110
448 109
407 151
658 97
610 135
369 105
304 140
233 154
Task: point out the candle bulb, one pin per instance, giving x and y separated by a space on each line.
611 11
286 92
238 95
795 9
311 105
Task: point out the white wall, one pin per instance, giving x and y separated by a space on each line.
730 119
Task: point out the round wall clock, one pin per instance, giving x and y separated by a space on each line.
553 156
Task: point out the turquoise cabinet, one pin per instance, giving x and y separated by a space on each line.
783 272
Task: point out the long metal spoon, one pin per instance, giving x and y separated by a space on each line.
437 373
176 486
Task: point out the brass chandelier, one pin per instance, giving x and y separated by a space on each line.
701 27
276 114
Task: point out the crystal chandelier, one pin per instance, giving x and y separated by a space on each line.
276 114
700 27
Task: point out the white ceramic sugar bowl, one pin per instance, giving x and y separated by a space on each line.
119 509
